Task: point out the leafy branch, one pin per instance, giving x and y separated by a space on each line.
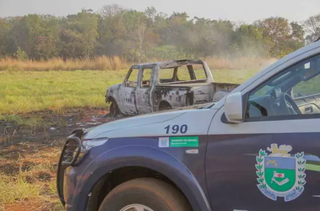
259 167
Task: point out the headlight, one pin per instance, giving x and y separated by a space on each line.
89 143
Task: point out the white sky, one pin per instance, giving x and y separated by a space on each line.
235 10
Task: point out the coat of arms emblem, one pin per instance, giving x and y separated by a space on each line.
280 174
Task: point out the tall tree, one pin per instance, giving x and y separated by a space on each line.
4 29
280 36
79 35
312 28
139 36
248 41
47 41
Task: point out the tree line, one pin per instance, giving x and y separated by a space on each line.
138 36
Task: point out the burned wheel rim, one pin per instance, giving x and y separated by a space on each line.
136 207
113 109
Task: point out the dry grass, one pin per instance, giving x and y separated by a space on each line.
16 188
99 63
116 63
239 63
33 187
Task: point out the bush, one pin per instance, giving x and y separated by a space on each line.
21 55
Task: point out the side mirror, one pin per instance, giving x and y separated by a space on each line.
233 108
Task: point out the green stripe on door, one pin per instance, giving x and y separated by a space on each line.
184 141
313 167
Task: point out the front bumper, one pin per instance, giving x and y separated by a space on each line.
68 158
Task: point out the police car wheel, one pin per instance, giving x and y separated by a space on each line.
144 194
136 207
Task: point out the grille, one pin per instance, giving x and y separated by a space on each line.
71 151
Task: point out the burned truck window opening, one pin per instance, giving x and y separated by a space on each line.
132 78
199 72
188 72
166 75
146 77
183 74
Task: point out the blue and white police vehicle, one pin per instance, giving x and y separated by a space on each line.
258 148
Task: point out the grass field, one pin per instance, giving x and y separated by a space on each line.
32 102
26 91
54 90
30 183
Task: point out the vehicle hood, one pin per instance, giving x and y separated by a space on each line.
131 122
112 89
151 124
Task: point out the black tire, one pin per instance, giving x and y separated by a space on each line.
164 106
152 193
114 109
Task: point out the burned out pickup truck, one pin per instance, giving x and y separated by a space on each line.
164 85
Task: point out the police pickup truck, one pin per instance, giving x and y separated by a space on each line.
257 149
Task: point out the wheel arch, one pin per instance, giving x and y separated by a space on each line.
118 176
153 161
163 103
110 99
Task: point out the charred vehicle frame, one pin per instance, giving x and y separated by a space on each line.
165 85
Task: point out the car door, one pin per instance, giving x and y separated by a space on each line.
271 160
144 90
128 91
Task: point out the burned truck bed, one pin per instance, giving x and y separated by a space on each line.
164 85
186 94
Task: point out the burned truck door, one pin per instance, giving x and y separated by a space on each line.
128 92
144 90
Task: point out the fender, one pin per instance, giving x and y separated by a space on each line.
141 156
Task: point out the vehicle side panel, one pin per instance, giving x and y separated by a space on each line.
127 100
185 170
232 178
175 96
203 94
222 89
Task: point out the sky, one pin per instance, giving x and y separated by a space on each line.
234 10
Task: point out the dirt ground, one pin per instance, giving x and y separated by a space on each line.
29 157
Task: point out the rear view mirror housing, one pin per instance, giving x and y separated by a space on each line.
233 107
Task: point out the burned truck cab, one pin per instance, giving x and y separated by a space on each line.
160 86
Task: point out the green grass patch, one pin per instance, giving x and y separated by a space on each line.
56 90
13 189
31 122
233 76
36 184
